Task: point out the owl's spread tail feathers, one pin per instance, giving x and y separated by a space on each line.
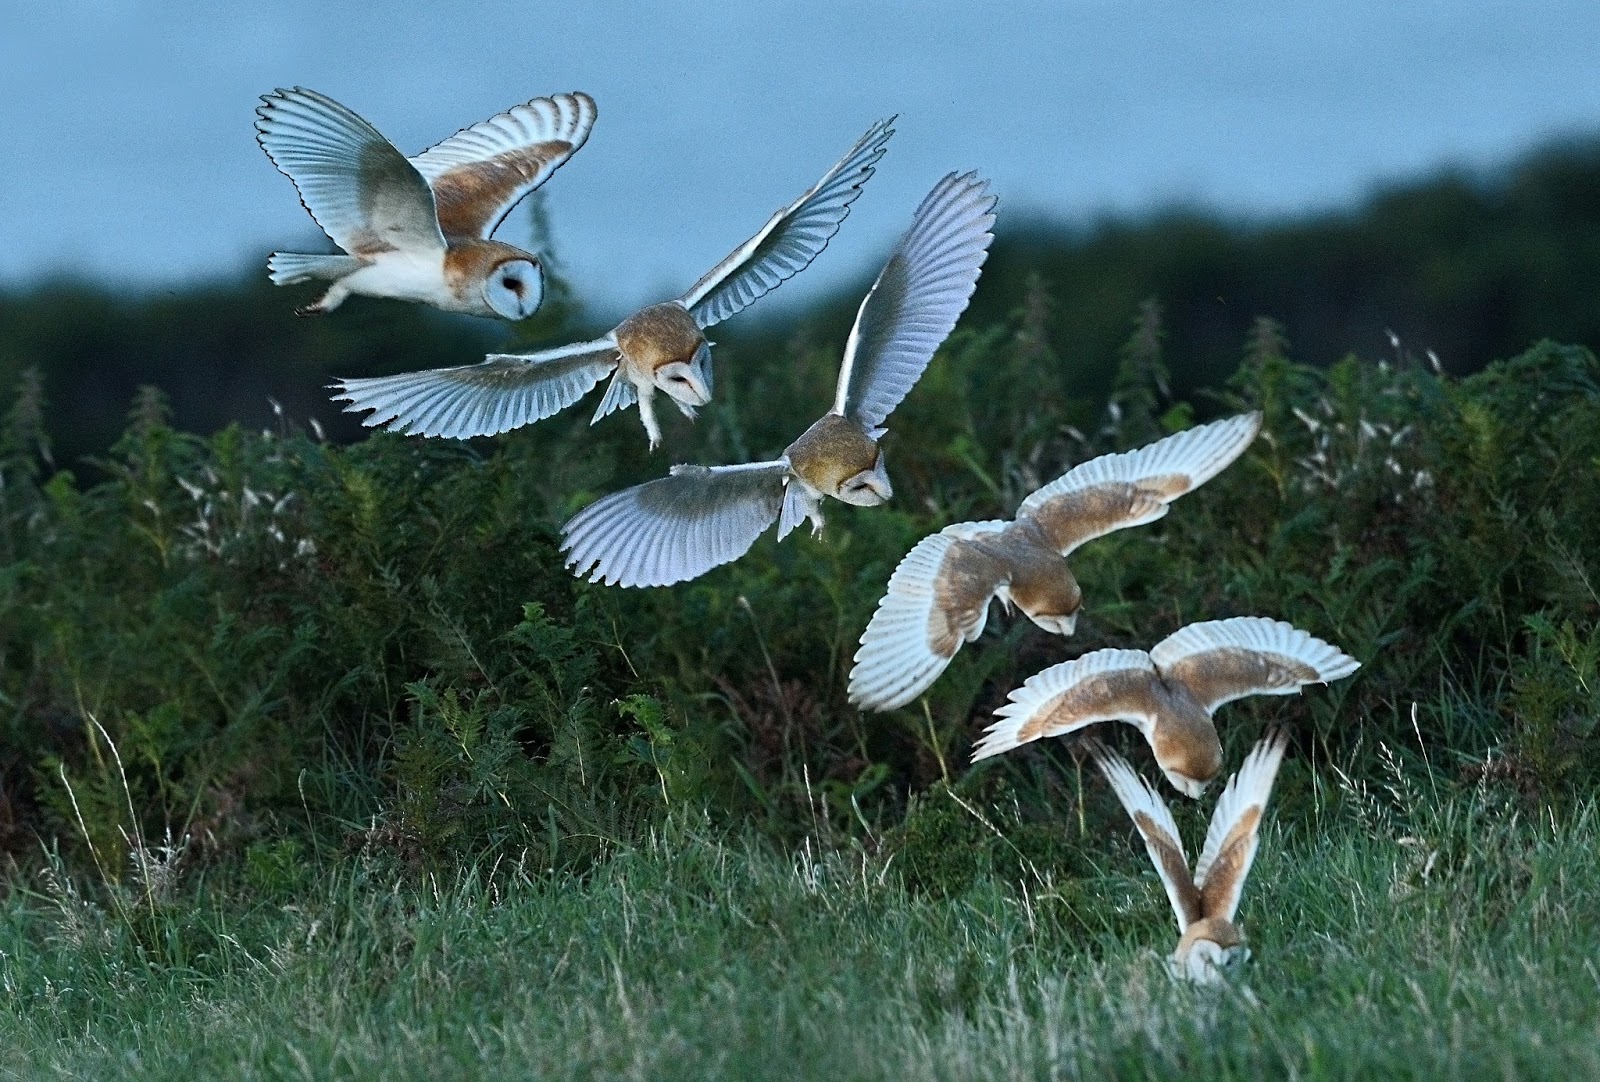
291 268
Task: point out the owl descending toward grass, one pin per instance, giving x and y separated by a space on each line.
1169 693
418 229
681 526
938 597
662 347
1206 902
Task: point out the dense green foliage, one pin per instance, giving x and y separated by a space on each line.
258 638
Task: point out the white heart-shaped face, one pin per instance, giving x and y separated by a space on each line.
867 488
683 382
1205 963
514 289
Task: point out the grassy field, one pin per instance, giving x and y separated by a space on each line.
1393 937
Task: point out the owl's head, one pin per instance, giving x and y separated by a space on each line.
687 382
1046 590
867 488
1207 962
1208 949
514 288
1187 751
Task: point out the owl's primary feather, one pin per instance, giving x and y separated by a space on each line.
1224 660
1232 837
633 541
362 191
913 306
678 527
480 173
792 237
493 396
1156 827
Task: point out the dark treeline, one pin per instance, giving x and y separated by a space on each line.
1471 267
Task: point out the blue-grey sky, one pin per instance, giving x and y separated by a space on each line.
129 153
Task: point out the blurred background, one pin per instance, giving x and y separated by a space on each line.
1350 168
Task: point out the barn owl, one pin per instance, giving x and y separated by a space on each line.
681 526
1206 902
417 229
938 597
1169 693
662 347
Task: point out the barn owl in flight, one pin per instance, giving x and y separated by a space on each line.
681 526
662 347
1169 693
938 597
418 229
1206 902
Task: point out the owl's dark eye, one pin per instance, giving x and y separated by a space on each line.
512 284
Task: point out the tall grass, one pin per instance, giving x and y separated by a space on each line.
1412 939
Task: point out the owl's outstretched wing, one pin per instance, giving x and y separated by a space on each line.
938 598
358 187
1131 488
481 172
503 392
913 306
791 239
1106 685
1223 660
1153 818
1234 834
676 528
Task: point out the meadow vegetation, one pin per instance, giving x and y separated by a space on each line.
315 759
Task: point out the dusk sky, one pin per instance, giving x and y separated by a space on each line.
130 155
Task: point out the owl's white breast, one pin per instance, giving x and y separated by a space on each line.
406 276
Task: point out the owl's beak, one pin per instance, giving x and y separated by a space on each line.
1189 787
682 382
1056 625
878 481
700 365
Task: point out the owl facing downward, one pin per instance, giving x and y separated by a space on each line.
1206 902
938 597
418 229
1169 693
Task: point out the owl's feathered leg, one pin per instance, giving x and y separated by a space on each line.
814 513
800 502
330 300
647 414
